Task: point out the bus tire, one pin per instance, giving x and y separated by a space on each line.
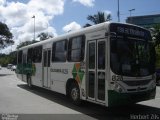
29 82
75 94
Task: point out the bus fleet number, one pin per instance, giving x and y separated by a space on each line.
117 78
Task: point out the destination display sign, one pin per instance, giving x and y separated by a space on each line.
130 31
123 29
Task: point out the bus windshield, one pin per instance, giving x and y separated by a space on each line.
132 53
132 57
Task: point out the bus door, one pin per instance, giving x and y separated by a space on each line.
96 70
46 67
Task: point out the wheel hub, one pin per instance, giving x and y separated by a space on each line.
74 93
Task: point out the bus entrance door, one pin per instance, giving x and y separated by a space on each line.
46 68
96 70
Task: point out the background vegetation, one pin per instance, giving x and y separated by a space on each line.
8 59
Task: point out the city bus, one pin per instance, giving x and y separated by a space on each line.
109 64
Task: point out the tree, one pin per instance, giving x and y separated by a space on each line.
100 17
44 36
8 59
155 32
22 44
5 36
156 35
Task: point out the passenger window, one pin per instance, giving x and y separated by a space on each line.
101 55
24 58
76 49
20 53
59 50
29 55
37 54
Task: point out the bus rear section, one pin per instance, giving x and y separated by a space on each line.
132 65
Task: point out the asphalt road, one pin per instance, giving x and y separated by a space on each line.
19 102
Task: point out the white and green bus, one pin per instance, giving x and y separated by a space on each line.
109 64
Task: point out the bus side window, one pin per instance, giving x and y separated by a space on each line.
24 58
59 50
76 48
29 56
20 54
37 54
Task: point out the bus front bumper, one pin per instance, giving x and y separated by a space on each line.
118 99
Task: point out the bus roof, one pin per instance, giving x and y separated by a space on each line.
82 31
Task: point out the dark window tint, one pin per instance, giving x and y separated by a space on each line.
37 54
131 56
29 55
76 49
91 84
24 58
20 57
92 55
45 58
101 85
59 51
101 55
49 57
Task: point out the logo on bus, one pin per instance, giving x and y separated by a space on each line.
77 72
64 71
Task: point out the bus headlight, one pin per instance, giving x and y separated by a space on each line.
118 88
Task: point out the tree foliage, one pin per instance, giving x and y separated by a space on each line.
22 44
155 31
5 36
156 34
8 59
100 17
44 36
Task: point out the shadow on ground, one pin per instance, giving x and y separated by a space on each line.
97 111
2 75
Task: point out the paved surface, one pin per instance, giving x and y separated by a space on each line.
19 102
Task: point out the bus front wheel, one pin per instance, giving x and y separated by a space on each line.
75 94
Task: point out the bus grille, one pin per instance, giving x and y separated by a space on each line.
138 82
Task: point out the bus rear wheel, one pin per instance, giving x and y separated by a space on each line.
75 94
